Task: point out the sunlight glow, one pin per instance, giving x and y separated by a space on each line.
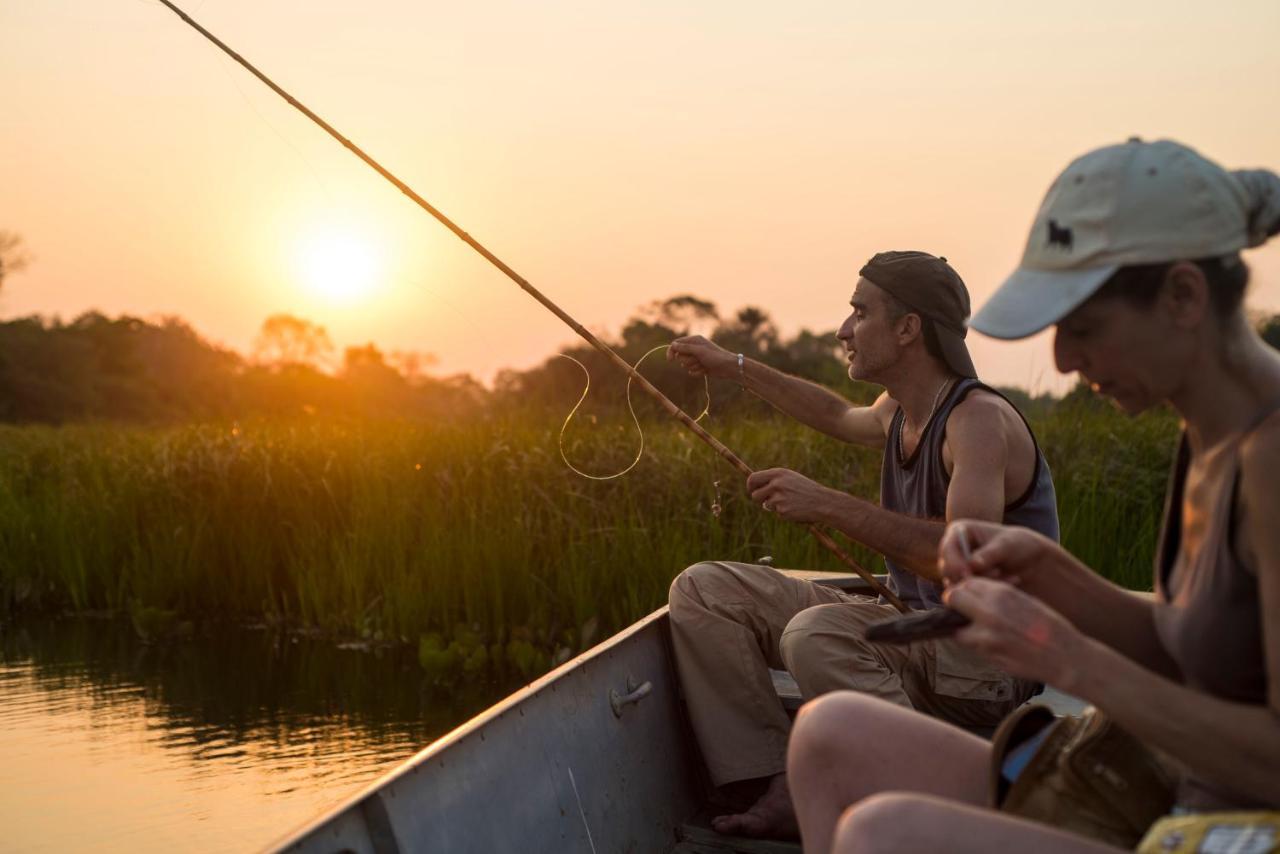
340 264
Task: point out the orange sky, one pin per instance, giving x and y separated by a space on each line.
612 153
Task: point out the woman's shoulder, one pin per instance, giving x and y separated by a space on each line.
1260 450
1259 493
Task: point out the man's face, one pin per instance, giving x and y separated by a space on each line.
869 333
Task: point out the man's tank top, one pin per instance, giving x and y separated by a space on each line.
1208 611
917 486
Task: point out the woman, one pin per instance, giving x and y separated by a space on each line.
1134 256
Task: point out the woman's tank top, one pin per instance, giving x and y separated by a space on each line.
1208 611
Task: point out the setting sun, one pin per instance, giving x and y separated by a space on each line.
339 264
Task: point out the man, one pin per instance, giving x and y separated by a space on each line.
953 449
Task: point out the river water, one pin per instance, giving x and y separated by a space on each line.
223 741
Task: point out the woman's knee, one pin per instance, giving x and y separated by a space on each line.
877 823
823 726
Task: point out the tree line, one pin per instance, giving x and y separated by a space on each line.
134 369
127 368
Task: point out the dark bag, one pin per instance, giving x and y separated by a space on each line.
1088 776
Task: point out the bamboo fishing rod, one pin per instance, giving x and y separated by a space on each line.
679 414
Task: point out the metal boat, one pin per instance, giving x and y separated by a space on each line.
595 757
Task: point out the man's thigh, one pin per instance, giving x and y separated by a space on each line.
939 677
757 598
956 684
721 583
826 649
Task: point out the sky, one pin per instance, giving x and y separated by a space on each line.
749 153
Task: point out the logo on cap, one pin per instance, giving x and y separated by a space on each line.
1059 235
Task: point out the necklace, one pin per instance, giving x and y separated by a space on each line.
937 398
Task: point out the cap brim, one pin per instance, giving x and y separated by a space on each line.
1031 300
955 352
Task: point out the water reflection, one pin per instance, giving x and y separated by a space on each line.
221 742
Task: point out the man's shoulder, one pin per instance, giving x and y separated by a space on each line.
984 416
985 407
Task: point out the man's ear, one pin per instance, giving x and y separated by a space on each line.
909 328
1184 296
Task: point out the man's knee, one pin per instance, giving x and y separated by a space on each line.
810 633
690 586
712 582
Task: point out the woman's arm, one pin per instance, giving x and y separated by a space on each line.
1235 743
1118 618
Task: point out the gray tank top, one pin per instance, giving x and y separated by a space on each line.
1208 612
917 486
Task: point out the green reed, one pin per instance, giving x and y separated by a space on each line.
407 530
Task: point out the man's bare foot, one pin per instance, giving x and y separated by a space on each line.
772 816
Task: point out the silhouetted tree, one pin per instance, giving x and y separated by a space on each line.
12 256
288 340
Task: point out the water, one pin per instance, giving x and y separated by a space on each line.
221 742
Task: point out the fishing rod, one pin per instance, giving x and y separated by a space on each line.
679 414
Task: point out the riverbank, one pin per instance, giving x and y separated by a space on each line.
472 541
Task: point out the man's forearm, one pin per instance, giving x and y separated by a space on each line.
807 402
909 542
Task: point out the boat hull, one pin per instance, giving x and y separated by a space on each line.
552 768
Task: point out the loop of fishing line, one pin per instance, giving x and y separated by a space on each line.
723 450
706 410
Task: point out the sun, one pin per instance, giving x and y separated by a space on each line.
341 264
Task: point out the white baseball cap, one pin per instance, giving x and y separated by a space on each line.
1133 203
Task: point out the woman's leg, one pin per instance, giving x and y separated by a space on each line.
846 747
901 821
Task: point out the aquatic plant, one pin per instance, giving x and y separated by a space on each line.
402 531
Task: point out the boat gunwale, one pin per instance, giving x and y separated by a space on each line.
471 725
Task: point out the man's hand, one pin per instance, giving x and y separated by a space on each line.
701 357
791 495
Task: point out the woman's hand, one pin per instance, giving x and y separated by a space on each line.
791 495
1017 632
973 548
701 357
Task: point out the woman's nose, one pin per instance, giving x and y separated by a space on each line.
1066 356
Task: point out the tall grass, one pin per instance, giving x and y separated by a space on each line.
397 529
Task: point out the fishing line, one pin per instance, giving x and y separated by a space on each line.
676 412
706 410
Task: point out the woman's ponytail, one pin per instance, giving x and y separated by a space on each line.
1263 203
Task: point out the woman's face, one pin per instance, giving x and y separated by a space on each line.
1135 355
